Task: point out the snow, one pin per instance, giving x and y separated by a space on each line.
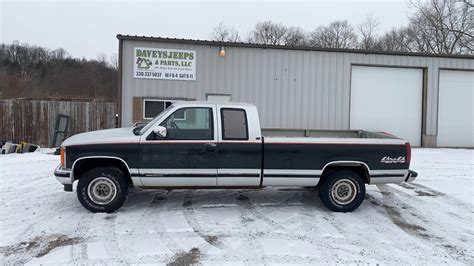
427 222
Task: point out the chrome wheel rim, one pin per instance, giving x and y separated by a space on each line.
344 191
102 190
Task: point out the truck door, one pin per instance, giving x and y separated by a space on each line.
240 153
187 156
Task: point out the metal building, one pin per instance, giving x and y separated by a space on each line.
425 98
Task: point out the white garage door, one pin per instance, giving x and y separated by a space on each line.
387 99
456 109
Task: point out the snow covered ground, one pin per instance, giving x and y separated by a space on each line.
427 222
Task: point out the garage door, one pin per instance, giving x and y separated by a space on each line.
456 109
387 99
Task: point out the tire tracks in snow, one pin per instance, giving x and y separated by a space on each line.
252 234
423 191
112 247
249 214
390 204
458 203
193 222
30 234
151 216
421 188
82 228
212 240
275 230
395 214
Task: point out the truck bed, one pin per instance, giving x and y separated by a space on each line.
312 133
312 154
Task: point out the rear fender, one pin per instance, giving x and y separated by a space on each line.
362 167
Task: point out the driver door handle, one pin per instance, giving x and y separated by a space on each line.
210 147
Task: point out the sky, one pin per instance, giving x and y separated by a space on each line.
89 28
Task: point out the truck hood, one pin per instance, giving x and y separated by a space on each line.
102 136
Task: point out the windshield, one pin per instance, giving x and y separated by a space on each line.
140 130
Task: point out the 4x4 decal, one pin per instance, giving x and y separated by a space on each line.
388 159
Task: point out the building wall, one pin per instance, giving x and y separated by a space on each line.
292 88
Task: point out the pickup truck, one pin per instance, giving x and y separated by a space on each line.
206 145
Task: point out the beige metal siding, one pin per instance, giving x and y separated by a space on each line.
292 88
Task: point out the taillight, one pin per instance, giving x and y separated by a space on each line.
408 152
61 156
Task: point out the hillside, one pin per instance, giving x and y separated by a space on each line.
39 73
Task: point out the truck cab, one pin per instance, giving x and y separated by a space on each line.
204 144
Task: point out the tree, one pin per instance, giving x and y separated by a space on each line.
396 40
295 36
338 34
222 33
114 61
102 58
39 73
59 54
442 27
435 26
268 32
368 33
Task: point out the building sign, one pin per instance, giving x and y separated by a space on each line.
161 63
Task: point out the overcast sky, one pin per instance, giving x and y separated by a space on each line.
88 28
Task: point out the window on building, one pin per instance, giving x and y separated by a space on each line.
234 124
218 97
192 123
152 108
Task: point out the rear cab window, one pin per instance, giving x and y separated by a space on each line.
234 124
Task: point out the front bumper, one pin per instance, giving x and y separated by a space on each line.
411 176
63 175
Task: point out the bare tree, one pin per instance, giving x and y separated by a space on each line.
268 32
222 33
36 72
114 61
295 36
102 58
396 40
59 54
468 2
368 33
338 34
20 55
435 26
442 27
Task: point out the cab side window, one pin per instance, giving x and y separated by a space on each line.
192 123
234 124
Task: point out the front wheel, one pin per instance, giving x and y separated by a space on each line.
102 189
342 191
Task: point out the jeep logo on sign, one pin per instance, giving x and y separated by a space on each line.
164 63
388 159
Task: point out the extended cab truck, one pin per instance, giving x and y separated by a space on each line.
219 145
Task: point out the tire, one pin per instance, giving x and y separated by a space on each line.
102 189
342 191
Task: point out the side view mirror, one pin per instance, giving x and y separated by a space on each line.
160 131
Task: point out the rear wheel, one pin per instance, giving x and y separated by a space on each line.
102 189
342 191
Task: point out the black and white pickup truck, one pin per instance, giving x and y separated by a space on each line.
209 145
